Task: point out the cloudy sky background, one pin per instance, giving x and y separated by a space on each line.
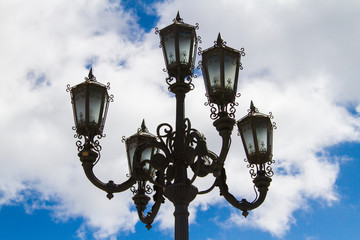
301 63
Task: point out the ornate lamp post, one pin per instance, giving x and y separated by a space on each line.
159 163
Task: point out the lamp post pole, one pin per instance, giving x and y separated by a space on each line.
159 164
180 193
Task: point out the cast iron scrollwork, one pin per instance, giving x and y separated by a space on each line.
216 111
261 182
198 157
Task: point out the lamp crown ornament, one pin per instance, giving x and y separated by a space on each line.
178 19
166 164
253 109
143 127
219 42
91 76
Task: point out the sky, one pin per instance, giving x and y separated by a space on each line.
301 64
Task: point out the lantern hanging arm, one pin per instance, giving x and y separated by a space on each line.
141 201
88 159
262 183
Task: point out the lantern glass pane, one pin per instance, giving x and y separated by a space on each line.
95 101
105 109
213 68
247 133
79 99
230 69
131 147
194 52
261 135
146 154
184 46
169 44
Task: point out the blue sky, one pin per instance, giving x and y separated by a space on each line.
339 221
301 64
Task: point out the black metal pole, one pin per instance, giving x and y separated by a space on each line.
181 192
179 148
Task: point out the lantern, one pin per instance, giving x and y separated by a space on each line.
179 42
256 132
90 101
220 68
132 143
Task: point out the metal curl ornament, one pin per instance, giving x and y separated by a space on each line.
79 145
189 82
68 88
213 110
168 136
232 109
199 65
269 171
241 66
169 80
133 189
157 30
197 26
252 172
148 189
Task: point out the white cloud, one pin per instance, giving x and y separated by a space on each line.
300 64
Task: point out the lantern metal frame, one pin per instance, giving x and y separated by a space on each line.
86 126
178 149
183 63
262 151
221 90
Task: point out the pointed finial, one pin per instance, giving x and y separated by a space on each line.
219 42
219 39
90 76
178 19
252 107
143 127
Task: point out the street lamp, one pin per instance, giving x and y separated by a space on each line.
220 65
159 164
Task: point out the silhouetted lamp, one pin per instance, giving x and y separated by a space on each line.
220 67
132 143
90 104
179 42
256 132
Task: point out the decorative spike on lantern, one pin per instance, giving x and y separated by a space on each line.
252 107
178 18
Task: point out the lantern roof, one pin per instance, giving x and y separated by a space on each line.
254 112
141 132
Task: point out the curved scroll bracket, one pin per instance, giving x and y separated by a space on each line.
141 201
262 183
88 158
